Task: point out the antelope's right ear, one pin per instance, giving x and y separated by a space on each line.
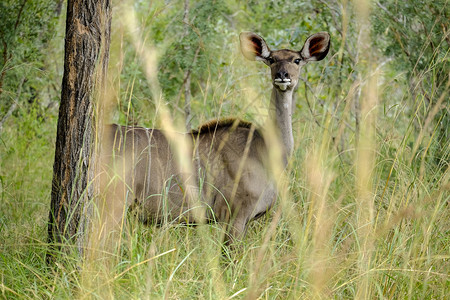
316 47
254 47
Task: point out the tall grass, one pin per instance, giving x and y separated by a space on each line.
368 222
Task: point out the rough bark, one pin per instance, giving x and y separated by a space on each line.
86 58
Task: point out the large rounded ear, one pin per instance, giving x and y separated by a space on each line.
253 46
316 47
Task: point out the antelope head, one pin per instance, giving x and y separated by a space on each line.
285 65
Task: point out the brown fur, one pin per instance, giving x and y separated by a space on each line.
213 125
230 159
230 175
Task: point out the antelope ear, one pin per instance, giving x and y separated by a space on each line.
316 47
253 46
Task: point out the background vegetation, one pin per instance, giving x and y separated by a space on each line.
364 208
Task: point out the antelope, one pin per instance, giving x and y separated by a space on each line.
230 158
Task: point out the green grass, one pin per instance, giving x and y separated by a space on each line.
316 248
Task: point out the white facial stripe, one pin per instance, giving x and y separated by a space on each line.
283 85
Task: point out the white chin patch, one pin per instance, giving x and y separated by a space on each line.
282 83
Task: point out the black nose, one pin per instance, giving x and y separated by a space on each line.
282 75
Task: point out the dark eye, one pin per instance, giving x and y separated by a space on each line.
270 60
297 61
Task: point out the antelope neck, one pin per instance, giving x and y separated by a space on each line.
281 116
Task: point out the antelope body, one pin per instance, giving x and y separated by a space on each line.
230 158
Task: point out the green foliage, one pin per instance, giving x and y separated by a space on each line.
417 35
194 47
26 27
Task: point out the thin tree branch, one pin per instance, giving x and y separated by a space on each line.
19 14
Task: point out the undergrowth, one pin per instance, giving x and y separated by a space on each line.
330 235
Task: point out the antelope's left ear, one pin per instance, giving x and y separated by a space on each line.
316 47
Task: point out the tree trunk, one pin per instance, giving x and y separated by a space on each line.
86 58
